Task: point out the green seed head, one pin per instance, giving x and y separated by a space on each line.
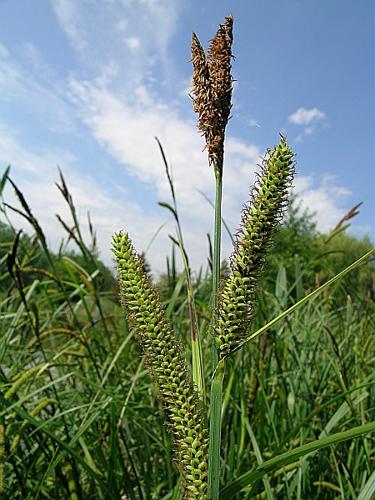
259 218
165 360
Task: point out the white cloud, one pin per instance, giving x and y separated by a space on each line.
3 51
305 116
35 174
185 87
123 113
308 118
327 200
252 122
29 84
133 43
122 25
126 131
160 18
72 23
31 164
101 26
126 128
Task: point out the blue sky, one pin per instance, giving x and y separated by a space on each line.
87 84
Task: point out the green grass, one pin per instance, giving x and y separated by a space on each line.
283 392
82 417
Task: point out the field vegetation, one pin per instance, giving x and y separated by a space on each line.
81 417
237 380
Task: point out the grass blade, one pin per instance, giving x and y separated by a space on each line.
289 456
308 297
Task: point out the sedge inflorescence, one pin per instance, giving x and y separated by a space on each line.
259 218
235 301
212 88
166 363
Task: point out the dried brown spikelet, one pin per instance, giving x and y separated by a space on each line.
212 88
201 76
219 58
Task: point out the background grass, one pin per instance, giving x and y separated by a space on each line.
81 418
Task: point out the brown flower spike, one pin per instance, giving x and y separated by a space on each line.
212 89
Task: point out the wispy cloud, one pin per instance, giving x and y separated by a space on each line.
252 122
308 118
114 30
30 164
123 107
72 23
133 42
36 172
125 128
326 199
29 86
305 116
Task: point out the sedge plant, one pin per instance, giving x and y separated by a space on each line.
233 301
196 428
78 413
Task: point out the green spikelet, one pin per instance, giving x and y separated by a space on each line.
259 218
165 360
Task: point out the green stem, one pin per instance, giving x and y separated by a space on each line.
196 348
215 432
217 366
217 249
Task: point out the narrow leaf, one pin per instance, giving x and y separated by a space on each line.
288 457
308 297
169 207
4 178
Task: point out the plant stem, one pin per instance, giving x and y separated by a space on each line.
217 366
215 432
217 249
196 347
